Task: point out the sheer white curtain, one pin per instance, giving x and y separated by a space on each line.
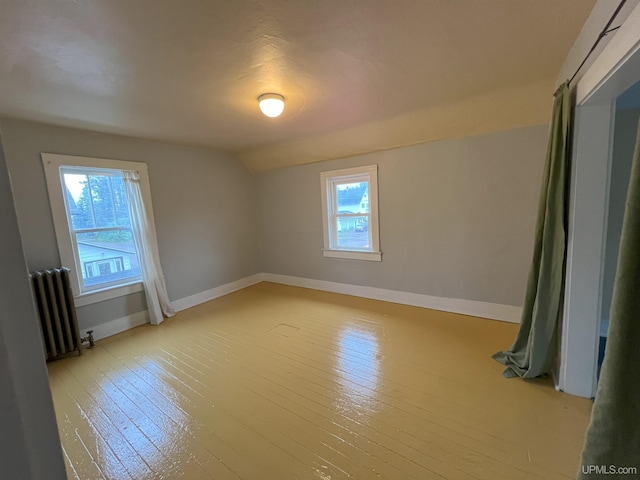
144 236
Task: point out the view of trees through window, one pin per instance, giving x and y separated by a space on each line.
101 202
100 226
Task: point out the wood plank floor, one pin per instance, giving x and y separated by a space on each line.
277 383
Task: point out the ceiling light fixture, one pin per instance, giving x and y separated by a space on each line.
271 104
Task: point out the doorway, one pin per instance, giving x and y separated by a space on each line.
627 112
587 297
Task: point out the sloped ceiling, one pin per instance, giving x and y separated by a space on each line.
358 75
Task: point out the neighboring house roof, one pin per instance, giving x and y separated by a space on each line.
73 208
352 195
93 253
349 200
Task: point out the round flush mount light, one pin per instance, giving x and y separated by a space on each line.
271 104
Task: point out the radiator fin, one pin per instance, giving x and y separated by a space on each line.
57 312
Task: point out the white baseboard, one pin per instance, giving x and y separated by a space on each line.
123 324
227 288
118 325
493 311
556 379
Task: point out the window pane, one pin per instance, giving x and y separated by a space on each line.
78 200
103 205
107 257
120 202
353 232
353 197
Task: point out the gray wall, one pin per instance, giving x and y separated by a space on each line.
456 218
204 207
29 443
624 140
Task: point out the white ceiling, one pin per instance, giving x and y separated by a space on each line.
190 71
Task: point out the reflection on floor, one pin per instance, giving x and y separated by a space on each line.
276 383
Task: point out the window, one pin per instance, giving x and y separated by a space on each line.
92 223
100 228
350 213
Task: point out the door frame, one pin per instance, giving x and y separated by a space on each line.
614 71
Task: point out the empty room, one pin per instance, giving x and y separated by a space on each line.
271 239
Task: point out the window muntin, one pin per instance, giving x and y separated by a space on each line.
100 227
350 213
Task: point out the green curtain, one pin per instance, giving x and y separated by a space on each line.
534 350
613 437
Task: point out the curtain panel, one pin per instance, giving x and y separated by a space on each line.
612 445
144 236
534 350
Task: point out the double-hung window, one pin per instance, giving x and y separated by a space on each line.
100 227
350 213
93 225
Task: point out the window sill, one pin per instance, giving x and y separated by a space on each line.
354 255
108 293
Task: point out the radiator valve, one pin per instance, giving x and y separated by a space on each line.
89 338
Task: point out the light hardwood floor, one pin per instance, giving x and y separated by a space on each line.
276 383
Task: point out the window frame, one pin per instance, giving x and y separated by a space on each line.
106 172
329 181
52 164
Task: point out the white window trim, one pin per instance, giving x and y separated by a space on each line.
52 163
95 296
327 180
353 255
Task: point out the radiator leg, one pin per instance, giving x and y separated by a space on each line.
89 338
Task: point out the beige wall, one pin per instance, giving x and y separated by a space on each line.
204 207
456 218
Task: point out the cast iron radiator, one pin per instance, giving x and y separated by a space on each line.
57 311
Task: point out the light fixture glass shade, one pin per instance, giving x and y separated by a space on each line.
271 104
